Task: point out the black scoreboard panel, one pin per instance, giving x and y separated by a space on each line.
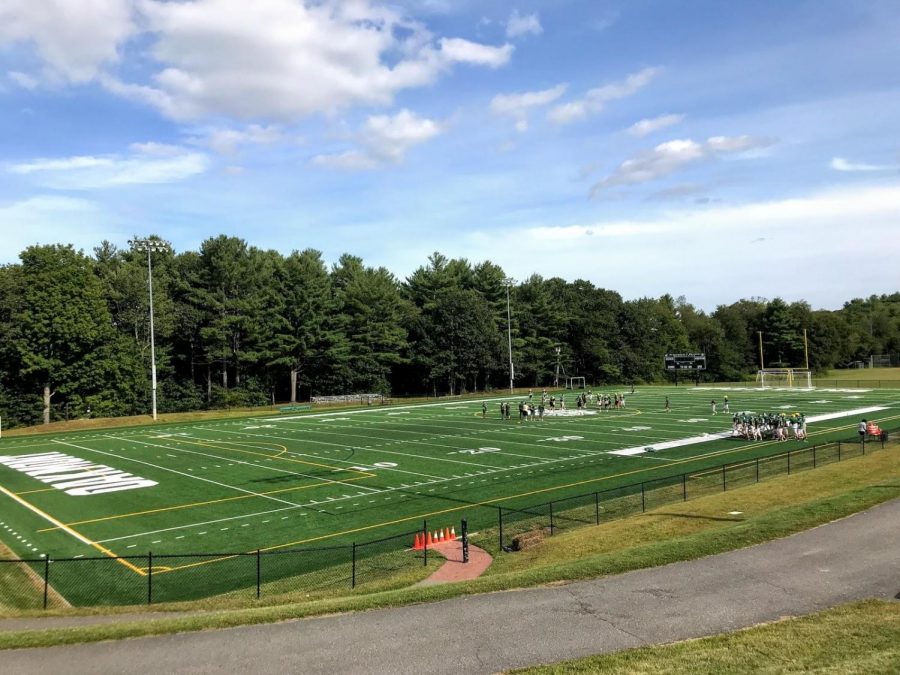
685 361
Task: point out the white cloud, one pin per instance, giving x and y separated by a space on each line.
518 106
457 50
651 125
596 99
23 80
227 141
841 164
278 59
715 235
157 149
284 59
519 25
383 139
149 163
74 38
51 219
668 157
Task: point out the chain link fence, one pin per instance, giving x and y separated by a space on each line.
517 526
49 582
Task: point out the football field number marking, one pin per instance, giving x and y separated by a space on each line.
479 451
376 465
563 439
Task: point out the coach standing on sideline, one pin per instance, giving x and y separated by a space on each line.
862 431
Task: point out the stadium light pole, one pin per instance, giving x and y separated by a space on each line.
509 281
151 246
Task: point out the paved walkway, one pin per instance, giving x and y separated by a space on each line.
455 569
853 558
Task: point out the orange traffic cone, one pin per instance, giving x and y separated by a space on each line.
418 543
453 533
439 536
428 540
447 536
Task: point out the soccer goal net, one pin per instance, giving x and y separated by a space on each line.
575 383
784 378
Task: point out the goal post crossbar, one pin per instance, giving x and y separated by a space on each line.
575 383
790 378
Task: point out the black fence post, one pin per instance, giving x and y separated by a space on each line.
839 451
551 519
149 577
723 478
353 576
643 500
789 462
597 506
258 574
814 456
425 542
46 578
757 469
464 529
684 487
864 445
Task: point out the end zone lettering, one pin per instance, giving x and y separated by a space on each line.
76 477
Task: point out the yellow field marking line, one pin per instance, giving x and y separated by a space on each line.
491 501
262 454
69 530
31 492
195 504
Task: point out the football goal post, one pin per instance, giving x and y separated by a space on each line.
575 383
784 378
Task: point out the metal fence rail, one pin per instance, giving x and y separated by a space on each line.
592 508
50 582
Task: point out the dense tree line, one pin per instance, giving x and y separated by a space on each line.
237 325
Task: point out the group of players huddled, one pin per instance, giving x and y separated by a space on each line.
778 426
528 410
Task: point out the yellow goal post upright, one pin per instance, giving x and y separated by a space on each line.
785 378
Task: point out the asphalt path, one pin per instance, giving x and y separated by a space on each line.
857 557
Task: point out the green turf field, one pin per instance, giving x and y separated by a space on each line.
314 480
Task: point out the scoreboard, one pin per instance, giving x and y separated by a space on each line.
693 362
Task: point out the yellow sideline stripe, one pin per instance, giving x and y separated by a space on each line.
192 504
207 444
31 492
492 501
69 530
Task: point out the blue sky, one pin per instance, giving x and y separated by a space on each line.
715 150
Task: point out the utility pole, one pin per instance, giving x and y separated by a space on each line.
150 246
512 373
556 379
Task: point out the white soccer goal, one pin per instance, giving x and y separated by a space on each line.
575 383
784 378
